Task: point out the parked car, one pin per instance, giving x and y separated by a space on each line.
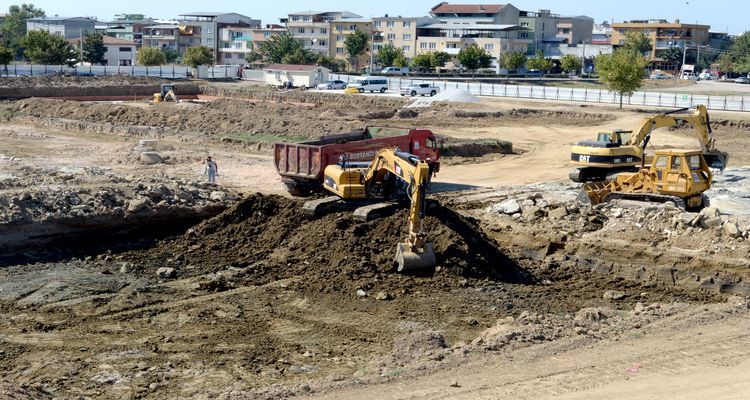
534 73
369 84
742 79
422 89
395 71
659 75
705 76
332 85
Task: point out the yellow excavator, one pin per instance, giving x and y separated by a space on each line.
675 176
383 179
623 151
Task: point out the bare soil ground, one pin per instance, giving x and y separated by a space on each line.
264 302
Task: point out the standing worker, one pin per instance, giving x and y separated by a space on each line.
212 169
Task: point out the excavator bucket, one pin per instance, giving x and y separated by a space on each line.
716 159
409 258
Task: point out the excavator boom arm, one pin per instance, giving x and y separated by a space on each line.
699 119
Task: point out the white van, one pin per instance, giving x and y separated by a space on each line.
370 84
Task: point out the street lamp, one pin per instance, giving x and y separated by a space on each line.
372 48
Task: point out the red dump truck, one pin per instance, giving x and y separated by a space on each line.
301 165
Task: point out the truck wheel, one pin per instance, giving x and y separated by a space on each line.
413 93
432 93
382 90
361 90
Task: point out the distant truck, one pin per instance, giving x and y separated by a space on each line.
421 89
301 165
395 71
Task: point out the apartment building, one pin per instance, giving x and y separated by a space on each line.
398 31
601 33
203 29
235 45
341 28
67 27
161 36
663 34
493 27
542 26
501 14
128 27
312 28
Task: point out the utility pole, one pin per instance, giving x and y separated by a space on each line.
684 53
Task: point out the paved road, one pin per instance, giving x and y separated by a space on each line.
703 87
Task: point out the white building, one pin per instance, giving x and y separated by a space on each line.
67 27
119 52
297 75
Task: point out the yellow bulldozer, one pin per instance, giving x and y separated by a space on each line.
624 151
675 176
368 187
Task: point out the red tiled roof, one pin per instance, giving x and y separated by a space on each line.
290 67
447 8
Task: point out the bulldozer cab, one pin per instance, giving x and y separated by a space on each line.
680 172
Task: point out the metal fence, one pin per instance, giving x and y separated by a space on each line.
659 99
166 71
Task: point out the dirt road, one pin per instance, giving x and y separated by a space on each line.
696 354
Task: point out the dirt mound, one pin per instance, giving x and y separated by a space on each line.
255 92
77 81
531 113
270 239
475 148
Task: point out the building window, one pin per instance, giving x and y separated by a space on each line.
524 24
406 48
423 45
306 18
339 50
433 46
322 43
300 30
339 27
209 30
339 38
407 36
323 31
391 36
489 46
295 18
505 47
126 49
390 24
209 41
377 24
238 45
352 27
266 34
407 24
523 35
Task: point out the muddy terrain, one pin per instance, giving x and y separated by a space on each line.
125 275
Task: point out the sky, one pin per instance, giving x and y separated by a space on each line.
723 15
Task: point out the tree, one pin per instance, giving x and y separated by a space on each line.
438 59
539 62
672 54
622 71
473 58
570 63
638 42
300 56
170 56
726 65
42 47
401 62
422 61
150 56
279 45
93 48
6 56
355 44
253 57
743 65
513 61
332 63
741 47
14 27
197 56
388 53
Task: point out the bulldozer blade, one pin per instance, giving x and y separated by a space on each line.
412 259
583 197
